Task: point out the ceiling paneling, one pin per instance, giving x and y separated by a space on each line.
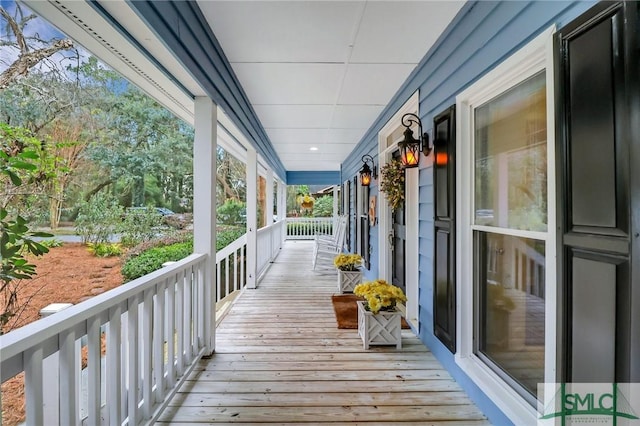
318 73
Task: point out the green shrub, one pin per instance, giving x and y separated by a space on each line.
105 249
232 212
165 240
99 218
150 255
152 259
139 225
51 243
323 206
226 236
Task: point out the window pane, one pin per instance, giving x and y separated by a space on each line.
511 158
511 287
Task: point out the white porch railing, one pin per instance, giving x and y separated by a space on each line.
231 268
153 328
269 244
305 228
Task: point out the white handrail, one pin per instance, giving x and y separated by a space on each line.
153 329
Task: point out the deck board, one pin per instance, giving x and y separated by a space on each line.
280 359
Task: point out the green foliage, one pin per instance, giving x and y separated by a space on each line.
232 212
139 225
99 218
106 249
150 255
17 165
323 206
51 243
152 259
392 183
227 235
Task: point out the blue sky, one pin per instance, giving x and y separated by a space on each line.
39 26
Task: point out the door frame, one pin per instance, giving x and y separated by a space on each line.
411 216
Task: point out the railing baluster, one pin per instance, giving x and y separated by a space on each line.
132 361
171 333
236 271
93 369
179 325
187 319
242 268
195 311
33 386
226 276
147 379
69 413
201 300
114 366
218 281
158 341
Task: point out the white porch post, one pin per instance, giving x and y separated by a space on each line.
252 217
335 204
269 200
282 208
204 205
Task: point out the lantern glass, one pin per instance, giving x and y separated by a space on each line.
365 179
365 175
410 154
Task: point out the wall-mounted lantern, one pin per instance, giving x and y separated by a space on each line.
366 173
411 147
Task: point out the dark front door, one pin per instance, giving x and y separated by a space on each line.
398 238
598 158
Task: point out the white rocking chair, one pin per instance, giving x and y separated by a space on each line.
327 247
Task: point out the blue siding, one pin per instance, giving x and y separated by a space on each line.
482 36
183 28
313 178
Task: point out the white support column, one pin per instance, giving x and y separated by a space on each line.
204 205
282 208
252 217
269 199
335 202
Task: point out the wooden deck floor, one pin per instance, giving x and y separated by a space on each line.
280 359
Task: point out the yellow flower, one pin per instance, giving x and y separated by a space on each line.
348 261
380 295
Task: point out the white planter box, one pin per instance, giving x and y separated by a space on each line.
348 280
383 328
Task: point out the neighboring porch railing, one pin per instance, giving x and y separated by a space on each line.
305 228
153 332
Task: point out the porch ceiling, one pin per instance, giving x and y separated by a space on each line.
319 73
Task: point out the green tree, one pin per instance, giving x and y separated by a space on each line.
18 164
323 206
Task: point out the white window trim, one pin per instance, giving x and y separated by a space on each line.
412 215
531 59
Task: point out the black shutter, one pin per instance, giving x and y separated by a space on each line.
348 213
597 104
356 248
444 294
